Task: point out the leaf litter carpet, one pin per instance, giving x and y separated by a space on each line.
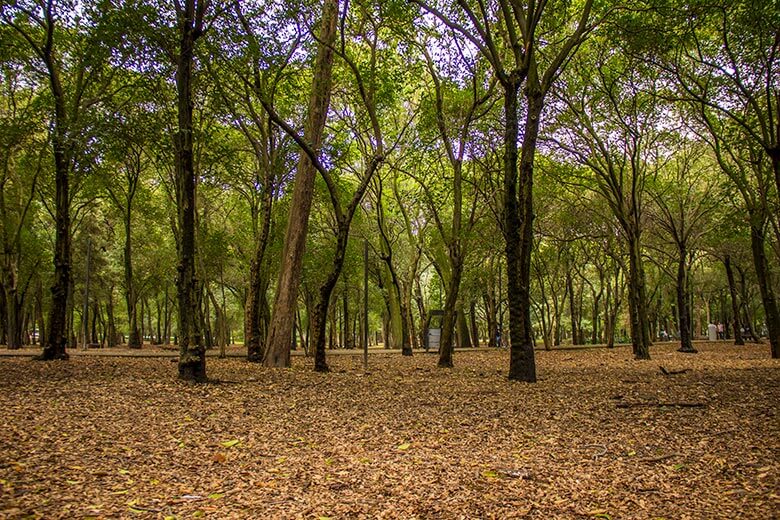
599 436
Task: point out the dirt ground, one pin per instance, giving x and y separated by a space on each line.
599 436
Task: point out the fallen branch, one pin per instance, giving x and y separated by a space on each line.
659 458
681 404
673 372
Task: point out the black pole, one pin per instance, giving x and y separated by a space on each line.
365 305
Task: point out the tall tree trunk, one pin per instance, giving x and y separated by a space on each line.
192 354
13 314
167 327
158 306
738 340
58 313
492 319
518 229
282 320
464 337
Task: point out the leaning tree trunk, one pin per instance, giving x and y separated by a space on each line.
283 319
738 340
192 354
320 314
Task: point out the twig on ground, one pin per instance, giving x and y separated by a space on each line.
681 404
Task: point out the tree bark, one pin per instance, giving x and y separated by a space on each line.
283 318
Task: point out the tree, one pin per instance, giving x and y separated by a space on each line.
192 354
21 156
280 331
723 58
511 40
73 55
615 132
684 197
453 122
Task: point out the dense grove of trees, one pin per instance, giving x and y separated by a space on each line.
206 173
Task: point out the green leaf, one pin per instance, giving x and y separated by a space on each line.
230 444
136 511
216 496
605 516
489 473
405 446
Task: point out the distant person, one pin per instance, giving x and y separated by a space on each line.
721 331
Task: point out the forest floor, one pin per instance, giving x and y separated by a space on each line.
600 436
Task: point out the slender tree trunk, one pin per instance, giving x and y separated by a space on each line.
13 314
575 337
683 309
282 320
134 340
256 297
474 327
112 335
734 301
